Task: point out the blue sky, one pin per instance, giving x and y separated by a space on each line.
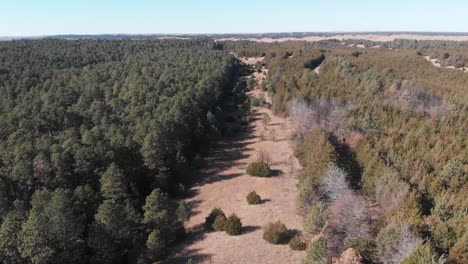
47 17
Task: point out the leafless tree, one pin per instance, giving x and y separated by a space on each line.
273 134
401 243
291 164
301 115
263 156
334 183
266 120
350 216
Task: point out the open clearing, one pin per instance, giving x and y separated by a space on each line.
224 184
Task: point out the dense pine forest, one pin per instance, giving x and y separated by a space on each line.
382 136
98 139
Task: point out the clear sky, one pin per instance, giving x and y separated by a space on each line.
48 17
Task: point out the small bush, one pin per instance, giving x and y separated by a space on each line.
275 233
316 218
366 247
259 169
233 225
209 221
317 253
296 243
253 198
255 101
219 223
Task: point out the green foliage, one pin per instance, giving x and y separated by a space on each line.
253 198
316 218
113 183
233 225
453 170
366 247
155 209
155 244
210 219
254 101
317 252
101 124
408 115
259 169
296 243
275 233
183 212
9 237
119 220
219 223
51 232
424 255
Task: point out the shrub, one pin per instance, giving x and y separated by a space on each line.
219 223
316 218
395 242
366 247
253 198
296 243
259 169
317 253
233 225
424 255
209 221
256 102
275 233
458 254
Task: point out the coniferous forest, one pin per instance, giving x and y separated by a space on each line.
97 142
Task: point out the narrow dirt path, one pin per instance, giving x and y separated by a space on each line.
224 184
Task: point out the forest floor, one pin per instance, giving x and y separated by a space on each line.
224 184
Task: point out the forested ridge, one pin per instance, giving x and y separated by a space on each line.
98 140
381 134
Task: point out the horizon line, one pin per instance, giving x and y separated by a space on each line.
235 33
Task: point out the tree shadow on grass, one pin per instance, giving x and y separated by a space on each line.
184 255
249 229
275 173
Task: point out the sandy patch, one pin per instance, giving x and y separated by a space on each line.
437 64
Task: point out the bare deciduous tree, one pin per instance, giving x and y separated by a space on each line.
396 242
263 156
273 134
334 183
301 116
350 217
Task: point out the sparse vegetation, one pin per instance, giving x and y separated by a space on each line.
296 243
259 169
317 252
233 225
210 219
253 198
369 132
219 223
316 218
275 233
